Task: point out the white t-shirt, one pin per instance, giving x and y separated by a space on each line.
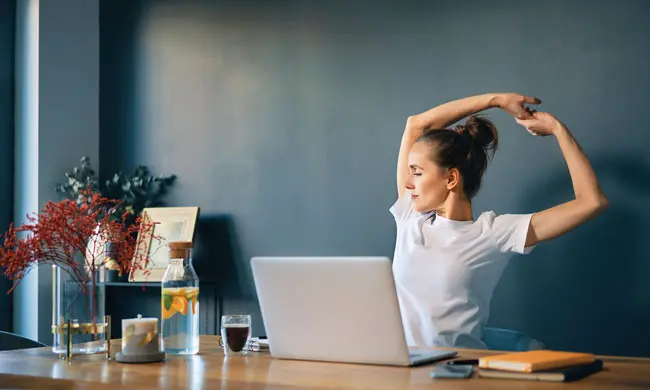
446 271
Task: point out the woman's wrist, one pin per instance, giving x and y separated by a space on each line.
559 129
496 100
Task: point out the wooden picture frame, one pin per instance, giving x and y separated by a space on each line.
171 224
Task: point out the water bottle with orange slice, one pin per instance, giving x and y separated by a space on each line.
180 302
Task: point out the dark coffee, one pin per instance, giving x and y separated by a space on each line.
236 336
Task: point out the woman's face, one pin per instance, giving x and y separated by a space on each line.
428 183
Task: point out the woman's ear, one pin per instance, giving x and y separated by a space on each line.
453 179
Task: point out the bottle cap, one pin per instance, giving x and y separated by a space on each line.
177 248
180 244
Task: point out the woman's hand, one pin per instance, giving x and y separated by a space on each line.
514 104
540 123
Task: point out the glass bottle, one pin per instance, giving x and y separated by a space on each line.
180 302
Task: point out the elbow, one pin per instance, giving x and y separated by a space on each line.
592 206
599 204
415 127
603 203
414 123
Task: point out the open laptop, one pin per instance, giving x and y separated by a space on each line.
340 309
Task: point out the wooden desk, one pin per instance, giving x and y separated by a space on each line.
210 369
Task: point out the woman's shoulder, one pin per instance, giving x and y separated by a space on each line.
490 220
491 216
508 230
486 218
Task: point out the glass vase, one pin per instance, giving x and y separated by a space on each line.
78 300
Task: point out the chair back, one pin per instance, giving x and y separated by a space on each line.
510 340
11 341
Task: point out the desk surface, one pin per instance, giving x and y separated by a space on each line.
210 369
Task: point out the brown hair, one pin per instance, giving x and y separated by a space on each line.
468 148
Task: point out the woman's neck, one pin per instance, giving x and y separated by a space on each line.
456 209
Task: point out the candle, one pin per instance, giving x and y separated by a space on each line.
140 336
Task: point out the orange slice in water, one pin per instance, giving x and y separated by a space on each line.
180 305
167 314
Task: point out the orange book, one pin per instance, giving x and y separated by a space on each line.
531 361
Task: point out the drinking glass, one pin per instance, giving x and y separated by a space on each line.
236 333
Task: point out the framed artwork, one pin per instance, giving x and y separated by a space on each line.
172 224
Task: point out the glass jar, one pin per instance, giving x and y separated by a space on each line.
180 302
78 300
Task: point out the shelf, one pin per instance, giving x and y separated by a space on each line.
132 284
145 284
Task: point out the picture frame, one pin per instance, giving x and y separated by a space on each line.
171 224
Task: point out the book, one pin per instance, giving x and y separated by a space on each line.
564 374
536 360
259 344
256 344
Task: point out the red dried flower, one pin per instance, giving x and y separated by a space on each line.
60 235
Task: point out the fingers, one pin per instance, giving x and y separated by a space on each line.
526 125
529 110
524 113
531 100
524 122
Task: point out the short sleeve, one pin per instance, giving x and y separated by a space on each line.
402 208
510 232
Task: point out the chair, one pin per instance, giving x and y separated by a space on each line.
510 340
11 341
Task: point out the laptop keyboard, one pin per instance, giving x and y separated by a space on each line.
416 352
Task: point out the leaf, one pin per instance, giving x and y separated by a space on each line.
137 190
167 301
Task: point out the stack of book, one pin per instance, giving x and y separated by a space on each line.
540 365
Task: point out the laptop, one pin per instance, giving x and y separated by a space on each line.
337 309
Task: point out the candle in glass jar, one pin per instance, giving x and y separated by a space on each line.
140 336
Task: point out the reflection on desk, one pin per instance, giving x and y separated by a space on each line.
211 369
9 381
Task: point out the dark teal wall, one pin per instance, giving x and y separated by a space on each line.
287 117
7 33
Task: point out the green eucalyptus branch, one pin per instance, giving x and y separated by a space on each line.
135 191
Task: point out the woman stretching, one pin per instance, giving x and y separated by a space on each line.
447 263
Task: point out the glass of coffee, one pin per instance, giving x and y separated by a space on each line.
236 333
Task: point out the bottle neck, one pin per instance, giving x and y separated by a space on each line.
176 262
180 257
180 262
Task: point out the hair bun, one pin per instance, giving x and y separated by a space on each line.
481 131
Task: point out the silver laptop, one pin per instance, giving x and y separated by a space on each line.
340 309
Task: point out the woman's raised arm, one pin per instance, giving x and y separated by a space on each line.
448 113
589 201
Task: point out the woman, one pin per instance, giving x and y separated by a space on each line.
447 263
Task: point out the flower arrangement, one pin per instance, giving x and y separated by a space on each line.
59 235
134 193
